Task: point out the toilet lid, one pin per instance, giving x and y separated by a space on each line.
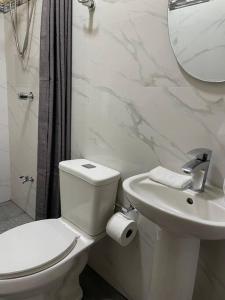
33 247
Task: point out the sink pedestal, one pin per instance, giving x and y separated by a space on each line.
184 217
174 267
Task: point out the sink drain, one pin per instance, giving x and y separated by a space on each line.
190 201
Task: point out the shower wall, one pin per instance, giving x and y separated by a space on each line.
5 192
23 115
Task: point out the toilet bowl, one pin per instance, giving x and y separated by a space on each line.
43 260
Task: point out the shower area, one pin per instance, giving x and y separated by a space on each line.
19 87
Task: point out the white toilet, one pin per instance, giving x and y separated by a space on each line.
43 260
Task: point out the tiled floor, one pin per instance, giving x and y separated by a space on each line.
94 287
11 216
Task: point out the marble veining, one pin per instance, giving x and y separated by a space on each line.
133 109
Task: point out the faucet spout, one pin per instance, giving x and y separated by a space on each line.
195 165
198 168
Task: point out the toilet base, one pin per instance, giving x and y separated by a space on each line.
64 288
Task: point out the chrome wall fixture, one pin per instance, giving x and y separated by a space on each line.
175 4
26 96
25 179
89 3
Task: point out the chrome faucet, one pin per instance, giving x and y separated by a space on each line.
198 168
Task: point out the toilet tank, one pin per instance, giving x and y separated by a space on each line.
88 193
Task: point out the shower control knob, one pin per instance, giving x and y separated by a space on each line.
25 179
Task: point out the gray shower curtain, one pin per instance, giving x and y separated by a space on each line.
54 129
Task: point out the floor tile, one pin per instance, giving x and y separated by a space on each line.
11 216
96 288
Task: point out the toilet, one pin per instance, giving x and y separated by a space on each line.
42 260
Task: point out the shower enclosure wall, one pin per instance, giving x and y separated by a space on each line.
18 118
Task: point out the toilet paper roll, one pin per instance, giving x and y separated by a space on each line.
121 229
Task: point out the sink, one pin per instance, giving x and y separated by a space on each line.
184 218
185 212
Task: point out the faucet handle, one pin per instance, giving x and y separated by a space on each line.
203 154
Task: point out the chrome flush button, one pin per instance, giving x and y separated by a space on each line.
89 166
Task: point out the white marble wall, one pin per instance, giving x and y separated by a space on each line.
133 108
5 191
23 115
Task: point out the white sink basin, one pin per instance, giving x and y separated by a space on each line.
184 217
185 212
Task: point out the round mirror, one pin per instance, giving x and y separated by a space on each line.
197 35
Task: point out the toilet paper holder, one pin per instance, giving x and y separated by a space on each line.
131 212
125 209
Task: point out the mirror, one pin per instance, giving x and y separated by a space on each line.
197 35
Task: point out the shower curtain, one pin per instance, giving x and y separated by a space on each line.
54 129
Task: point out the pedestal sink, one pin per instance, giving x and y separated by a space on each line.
185 217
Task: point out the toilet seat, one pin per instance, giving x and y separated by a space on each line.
34 247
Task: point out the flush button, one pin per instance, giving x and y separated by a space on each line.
89 166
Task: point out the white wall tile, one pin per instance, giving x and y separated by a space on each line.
23 115
134 108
